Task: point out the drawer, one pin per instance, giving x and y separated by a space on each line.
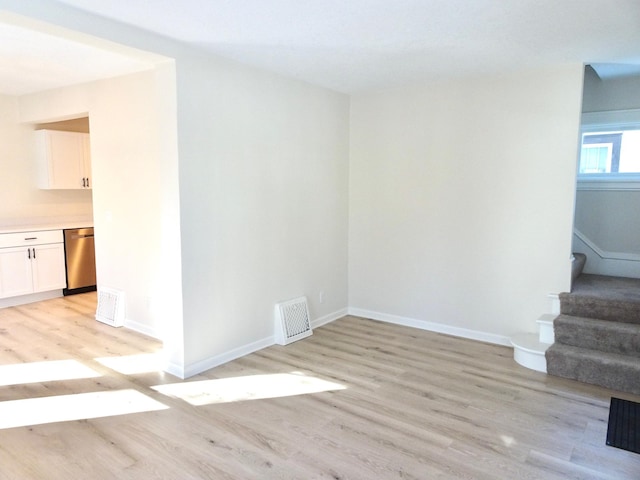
30 238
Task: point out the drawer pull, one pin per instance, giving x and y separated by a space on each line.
31 238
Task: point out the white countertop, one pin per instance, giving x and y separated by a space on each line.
36 227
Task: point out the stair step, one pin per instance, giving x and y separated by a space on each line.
610 370
603 335
545 328
602 308
529 352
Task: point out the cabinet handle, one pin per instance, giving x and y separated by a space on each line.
83 183
31 238
87 182
29 253
34 253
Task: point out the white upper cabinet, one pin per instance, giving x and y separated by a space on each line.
64 159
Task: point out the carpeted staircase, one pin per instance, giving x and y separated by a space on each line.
597 334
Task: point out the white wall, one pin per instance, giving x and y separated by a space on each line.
606 224
607 231
461 201
263 172
133 183
264 204
137 241
21 201
609 218
453 201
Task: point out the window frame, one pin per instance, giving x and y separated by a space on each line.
614 120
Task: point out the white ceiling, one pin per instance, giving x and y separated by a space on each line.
356 45
35 56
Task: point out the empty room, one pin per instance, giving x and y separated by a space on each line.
319 239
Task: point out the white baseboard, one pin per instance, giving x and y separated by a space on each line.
602 262
173 369
332 317
31 298
142 328
604 254
211 362
433 327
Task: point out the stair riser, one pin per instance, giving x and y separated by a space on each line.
545 332
600 309
589 370
532 360
600 338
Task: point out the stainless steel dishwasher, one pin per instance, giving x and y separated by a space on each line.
80 260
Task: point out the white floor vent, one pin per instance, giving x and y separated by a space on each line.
292 321
110 307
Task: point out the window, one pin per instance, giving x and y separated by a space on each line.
595 158
610 151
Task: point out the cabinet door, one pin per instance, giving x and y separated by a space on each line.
48 267
88 183
15 272
62 159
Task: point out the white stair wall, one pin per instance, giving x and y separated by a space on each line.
529 348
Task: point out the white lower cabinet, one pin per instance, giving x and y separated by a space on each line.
31 267
15 272
48 267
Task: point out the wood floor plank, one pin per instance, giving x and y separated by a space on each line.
403 404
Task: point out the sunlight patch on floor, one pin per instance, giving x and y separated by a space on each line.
133 364
62 408
507 440
35 372
251 387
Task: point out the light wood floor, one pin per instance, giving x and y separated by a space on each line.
399 403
